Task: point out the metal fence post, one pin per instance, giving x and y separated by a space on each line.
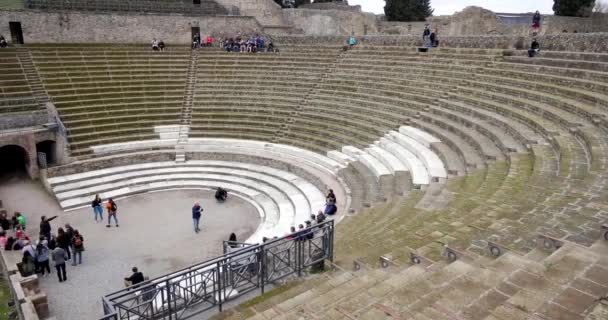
169 303
299 251
262 262
331 243
220 288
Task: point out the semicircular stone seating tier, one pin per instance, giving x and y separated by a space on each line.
282 199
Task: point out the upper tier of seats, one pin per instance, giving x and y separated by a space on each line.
204 7
113 94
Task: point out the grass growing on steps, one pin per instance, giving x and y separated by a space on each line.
6 312
11 4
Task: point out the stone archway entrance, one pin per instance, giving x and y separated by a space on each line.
14 160
48 147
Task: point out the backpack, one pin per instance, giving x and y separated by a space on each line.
77 241
113 206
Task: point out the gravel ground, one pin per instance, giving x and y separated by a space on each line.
155 234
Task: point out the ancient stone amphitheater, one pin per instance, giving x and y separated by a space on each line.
471 182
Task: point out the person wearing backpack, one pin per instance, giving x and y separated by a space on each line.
42 257
112 208
78 243
97 208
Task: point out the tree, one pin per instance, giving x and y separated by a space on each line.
407 10
574 8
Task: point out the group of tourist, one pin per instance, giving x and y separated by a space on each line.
251 44
3 43
429 37
300 233
197 42
67 244
535 46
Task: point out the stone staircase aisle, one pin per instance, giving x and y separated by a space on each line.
568 283
186 116
32 76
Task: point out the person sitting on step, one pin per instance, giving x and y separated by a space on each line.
331 197
221 194
136 278
320 217
330 209
534 48
155 45
3 43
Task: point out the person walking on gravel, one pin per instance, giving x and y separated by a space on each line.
112 208
196 216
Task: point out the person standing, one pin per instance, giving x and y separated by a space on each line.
42 257
59 259
45 226
69 231
112 208
536 23
196 216
97 208
78 245
63 242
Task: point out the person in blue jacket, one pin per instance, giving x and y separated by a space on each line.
196 216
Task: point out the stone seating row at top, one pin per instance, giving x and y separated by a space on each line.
205 7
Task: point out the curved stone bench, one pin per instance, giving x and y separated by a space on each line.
431 161
282 198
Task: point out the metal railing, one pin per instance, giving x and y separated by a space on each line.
202 287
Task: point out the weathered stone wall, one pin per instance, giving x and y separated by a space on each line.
331 6
586 42
74 27
267 12
27 139
23 119
331 22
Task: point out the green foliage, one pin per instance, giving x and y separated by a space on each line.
407 10
574 8
301 2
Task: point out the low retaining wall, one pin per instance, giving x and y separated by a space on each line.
31 301
578 42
